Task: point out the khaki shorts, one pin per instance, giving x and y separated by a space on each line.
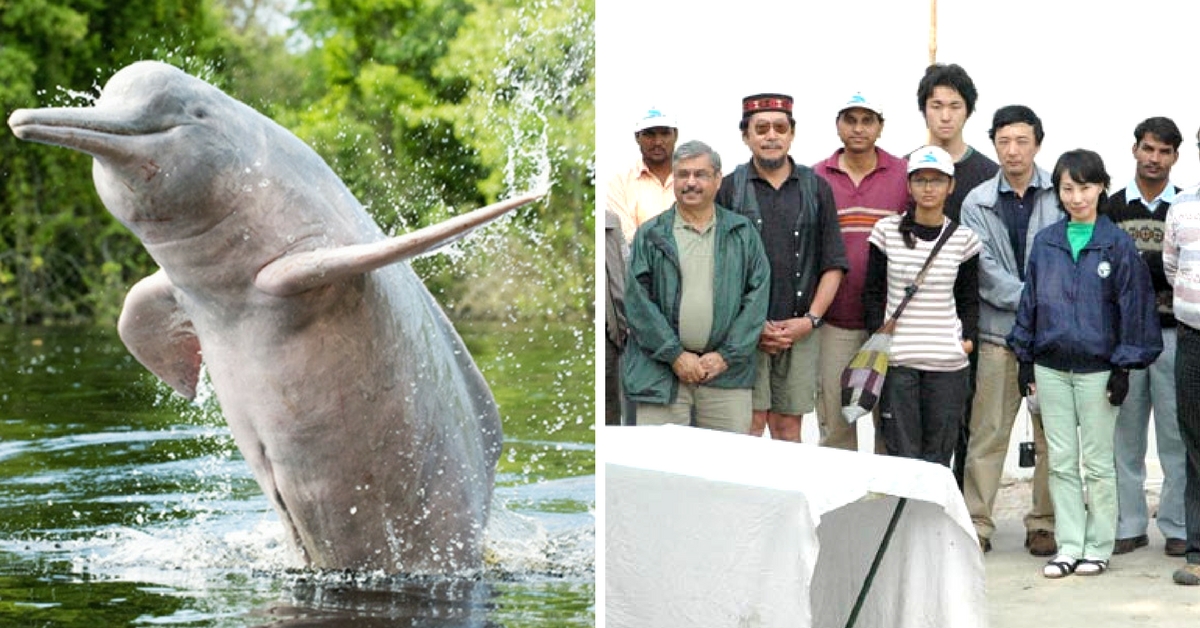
786 383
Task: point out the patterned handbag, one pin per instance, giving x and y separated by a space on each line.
862 379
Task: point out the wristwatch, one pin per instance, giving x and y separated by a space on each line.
817 321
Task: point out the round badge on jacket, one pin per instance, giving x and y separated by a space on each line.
1104 270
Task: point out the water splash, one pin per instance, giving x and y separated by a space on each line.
542 527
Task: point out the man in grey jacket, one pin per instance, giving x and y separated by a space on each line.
1006 212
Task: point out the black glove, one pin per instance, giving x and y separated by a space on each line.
1025 378
1118 385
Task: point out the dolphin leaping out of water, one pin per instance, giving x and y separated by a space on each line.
346 388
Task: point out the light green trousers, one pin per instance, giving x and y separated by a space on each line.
1079 423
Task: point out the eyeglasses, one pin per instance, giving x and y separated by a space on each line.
782 127
922 182
700 175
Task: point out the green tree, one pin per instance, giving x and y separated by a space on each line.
529 112
378 116
434 106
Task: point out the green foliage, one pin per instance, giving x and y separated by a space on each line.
529 112
425 108
377 118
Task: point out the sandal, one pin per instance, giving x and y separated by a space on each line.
1060 566
1091 567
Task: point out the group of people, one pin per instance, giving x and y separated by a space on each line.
736 300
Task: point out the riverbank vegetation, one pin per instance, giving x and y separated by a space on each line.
425 108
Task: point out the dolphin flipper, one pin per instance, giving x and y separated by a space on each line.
158 333
293 274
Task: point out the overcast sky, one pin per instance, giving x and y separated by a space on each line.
1091 74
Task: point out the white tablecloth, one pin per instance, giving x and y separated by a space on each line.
705 528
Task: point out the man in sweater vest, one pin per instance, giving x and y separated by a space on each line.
1141 209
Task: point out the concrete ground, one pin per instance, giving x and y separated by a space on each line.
1137 589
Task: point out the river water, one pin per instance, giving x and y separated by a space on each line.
121 504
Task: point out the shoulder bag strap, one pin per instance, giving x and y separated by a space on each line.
911 289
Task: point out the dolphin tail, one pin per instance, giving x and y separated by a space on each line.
293 274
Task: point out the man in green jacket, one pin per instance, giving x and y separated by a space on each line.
696 300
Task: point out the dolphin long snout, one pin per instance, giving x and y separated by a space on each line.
19 122
97 132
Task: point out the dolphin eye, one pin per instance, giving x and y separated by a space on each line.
200 112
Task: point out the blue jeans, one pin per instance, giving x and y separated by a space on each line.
1153 387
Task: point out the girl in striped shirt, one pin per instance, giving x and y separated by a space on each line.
927 386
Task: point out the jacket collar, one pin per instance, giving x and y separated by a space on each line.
1041 181
1103 236
663 223
992 187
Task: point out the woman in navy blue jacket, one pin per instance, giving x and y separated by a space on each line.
1087 316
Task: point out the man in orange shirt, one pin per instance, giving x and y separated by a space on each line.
646 189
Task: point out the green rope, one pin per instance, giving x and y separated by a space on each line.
887 538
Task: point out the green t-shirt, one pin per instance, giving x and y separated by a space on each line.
1078 235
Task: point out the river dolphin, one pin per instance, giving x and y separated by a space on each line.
347 390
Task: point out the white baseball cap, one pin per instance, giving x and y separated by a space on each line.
654 117
933 158
861 102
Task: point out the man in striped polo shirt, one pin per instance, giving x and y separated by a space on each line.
868 183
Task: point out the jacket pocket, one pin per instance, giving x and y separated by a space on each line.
645 379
